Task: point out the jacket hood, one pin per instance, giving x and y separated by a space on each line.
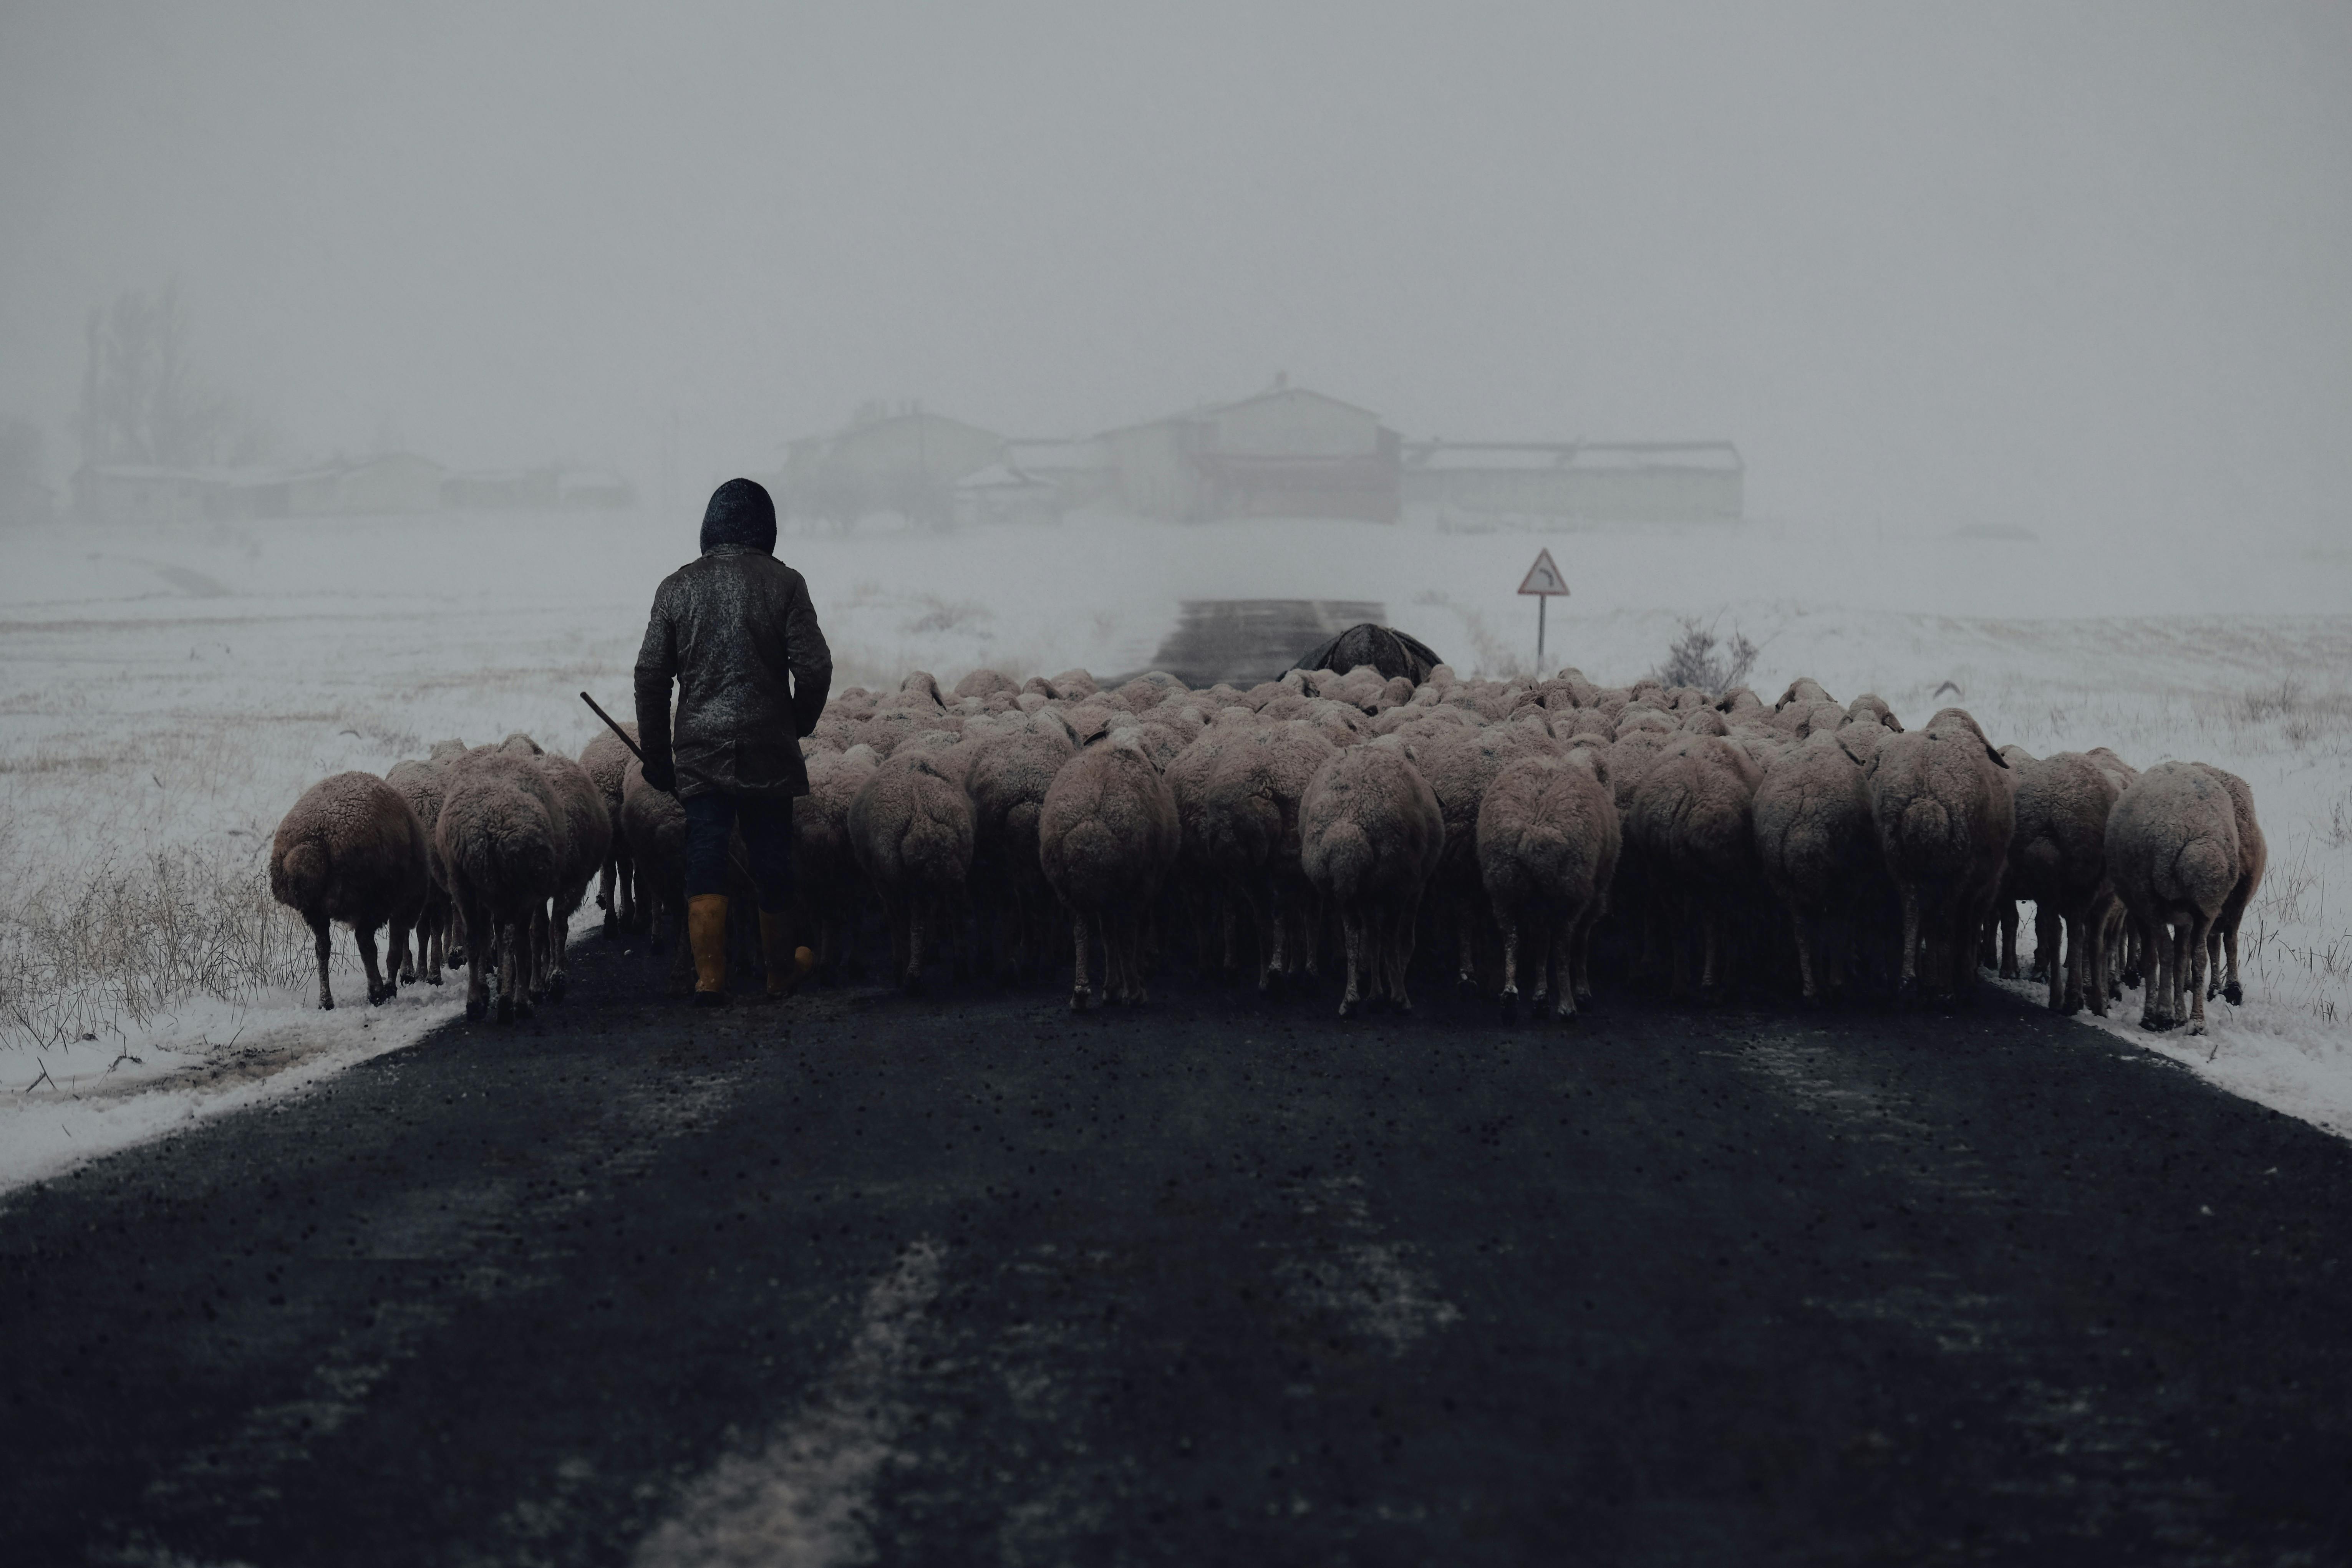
740 512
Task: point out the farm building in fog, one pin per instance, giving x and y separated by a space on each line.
907 462
537 489
1596 481
1288 452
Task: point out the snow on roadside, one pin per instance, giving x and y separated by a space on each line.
2272 1053
209 1059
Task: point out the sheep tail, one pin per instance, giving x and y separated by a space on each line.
1348 857
300 880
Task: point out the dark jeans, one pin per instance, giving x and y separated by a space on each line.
767 824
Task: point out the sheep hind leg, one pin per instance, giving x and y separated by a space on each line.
1585 921
608 899
1405 921
2199 966
498 953
323 941
1466 916
1351 928
2232 992
2153 940
917 923
1563 964
2076 965
1711 974
1081 993
1134 948
1906 981
559 945
2047 926
1509 921
1807 988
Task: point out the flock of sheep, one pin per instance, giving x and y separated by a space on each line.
1340 815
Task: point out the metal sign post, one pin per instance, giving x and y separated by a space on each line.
1544 581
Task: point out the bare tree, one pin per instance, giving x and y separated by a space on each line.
1697 658
142 399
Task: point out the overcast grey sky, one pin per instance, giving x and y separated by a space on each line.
2084 268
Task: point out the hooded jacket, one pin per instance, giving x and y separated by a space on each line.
737 632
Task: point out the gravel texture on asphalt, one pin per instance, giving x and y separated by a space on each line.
967 1279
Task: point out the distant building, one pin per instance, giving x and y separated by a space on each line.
1001 493
1287 452
139 492
909 462
1078 470
394 484
537 489
1595 481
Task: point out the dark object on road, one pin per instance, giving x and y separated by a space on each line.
1385 649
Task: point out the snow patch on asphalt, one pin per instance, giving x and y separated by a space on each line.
1369 1285
803 1498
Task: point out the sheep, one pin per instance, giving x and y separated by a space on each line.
1871 708
421 784
910 828
654 825
503 840
588 843
2000 935
2058 858
1249 837
827 886
1369 836
607 758
1547 841
1943 817
1106 839
1693 820
1007 780
1198 888
985 683
352 851
1805 689
2173 854
1818 853
1459 767
2253 859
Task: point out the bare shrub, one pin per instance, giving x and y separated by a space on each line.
1698 659
82 952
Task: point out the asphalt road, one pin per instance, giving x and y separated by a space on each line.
968 1280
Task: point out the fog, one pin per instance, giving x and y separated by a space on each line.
2083 269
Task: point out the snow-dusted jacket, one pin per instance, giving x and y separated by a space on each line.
730 629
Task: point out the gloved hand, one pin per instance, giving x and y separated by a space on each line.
661 772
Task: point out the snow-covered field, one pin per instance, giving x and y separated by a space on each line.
167 694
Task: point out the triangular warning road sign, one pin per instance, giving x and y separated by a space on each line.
1543 577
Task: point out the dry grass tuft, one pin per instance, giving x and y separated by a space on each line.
84 951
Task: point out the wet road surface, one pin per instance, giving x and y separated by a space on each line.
969 1279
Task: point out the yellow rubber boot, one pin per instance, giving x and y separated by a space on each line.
706 933
786 965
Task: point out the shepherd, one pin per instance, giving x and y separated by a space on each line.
735 630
